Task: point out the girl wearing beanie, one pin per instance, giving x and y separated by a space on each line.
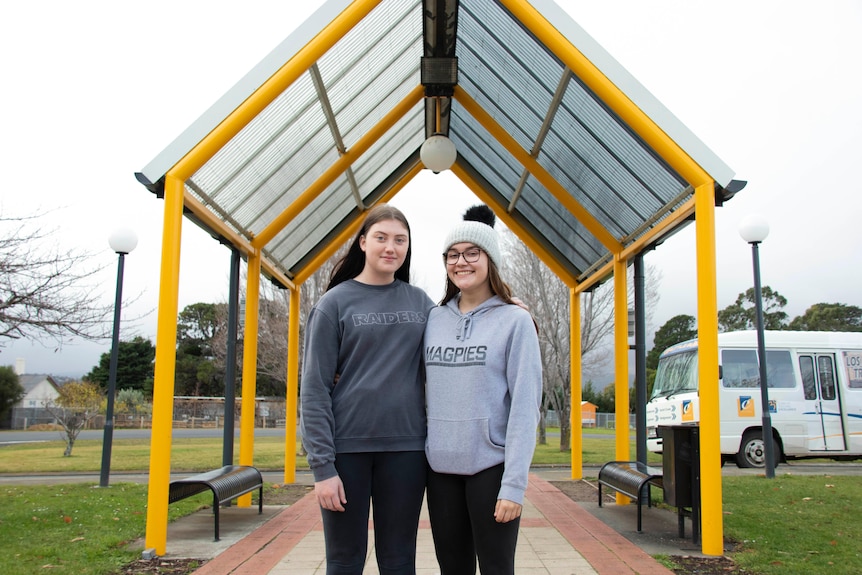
483 388
363 402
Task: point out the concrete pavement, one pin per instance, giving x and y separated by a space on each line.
557 537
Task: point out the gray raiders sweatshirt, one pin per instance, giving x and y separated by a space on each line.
371 336
483 390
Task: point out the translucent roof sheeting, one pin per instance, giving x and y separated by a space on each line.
283 177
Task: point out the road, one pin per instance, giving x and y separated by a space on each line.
13 436
16 436
549 473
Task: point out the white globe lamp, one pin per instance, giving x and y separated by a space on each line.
438 153
123 240
753 228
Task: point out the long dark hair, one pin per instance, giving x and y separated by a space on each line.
498 286
353 263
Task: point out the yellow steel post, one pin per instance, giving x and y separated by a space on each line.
621 357
575 361
163 385
249 368
712 537
290 403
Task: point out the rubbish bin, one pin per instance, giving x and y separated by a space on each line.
681 474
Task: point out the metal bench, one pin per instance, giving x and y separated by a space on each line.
226 484
631 478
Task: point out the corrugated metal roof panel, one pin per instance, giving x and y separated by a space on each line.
524 86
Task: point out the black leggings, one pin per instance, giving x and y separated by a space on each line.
461 509
396 483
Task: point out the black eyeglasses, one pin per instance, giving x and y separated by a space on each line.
471 256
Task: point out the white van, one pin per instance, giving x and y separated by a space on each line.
814 381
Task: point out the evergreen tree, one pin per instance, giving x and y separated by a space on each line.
675 330
11 391
196 372
829 317
742 313
134 366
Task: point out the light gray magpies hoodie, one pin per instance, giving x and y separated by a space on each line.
483 389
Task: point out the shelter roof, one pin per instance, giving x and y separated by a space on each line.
573 154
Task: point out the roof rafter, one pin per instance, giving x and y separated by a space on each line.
339 166
539 172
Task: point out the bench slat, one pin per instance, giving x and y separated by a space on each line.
226 484
631 478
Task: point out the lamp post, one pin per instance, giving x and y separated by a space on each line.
122 241
754 229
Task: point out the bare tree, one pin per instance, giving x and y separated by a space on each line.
548 299
46 291
77 404
273 315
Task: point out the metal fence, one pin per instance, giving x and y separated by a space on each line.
189 412
27 417
602 420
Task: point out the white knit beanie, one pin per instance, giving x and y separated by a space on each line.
477 229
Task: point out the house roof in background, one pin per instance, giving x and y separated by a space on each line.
29 381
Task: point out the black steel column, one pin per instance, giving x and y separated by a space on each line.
230 361
108 435
766 419
640 359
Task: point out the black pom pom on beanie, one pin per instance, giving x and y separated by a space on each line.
480 213
477 229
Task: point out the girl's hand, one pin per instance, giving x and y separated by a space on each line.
330 494
506 511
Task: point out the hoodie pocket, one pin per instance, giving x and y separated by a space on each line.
461 447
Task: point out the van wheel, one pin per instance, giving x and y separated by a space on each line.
752 452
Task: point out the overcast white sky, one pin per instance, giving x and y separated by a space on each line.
93 90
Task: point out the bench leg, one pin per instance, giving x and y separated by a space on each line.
260 501
644 490
600 494
215 513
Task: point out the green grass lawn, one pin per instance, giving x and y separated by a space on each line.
187 454
787 525
794 524
201 454
79 528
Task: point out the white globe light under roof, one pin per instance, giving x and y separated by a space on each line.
438 153
123 240
753 228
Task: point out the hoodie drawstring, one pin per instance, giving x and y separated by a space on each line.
464 327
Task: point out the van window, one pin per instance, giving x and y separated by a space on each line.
827 377
741 369
806 369
675 374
